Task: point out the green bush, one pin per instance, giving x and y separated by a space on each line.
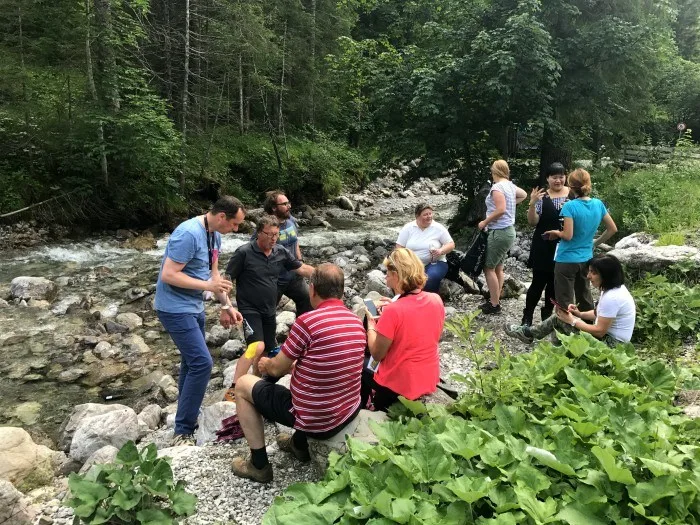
579 434
667 312
137 488
654 200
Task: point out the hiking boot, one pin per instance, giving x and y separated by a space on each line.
520 332
186 440
286 443
489 309
243 468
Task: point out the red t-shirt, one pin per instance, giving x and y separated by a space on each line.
328 344
414 324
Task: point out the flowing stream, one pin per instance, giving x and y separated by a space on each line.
99 275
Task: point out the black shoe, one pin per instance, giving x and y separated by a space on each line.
490 309
526 320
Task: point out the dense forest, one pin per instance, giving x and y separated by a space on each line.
128 111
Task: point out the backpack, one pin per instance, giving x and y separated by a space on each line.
472 263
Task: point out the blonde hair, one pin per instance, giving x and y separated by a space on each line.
500 169
408 267
579 181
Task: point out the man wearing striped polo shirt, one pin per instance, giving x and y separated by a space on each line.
328 347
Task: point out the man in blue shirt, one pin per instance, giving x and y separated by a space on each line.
289 283
189 268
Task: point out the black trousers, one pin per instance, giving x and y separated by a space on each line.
542 281
383 397
298 291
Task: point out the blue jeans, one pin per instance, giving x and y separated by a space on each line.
187 332
436 272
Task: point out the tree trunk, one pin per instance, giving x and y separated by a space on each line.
551 151
167 47
107 80
25 95
312 91
95 98
185 95
280 116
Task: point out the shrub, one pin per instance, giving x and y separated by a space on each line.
585 434
137 488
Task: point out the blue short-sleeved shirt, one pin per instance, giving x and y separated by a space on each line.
586 215
188 245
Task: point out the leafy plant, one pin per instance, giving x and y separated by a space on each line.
666 311
136 488
589 435
671 239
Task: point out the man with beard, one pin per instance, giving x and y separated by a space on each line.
289 283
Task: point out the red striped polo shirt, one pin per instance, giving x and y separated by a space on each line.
328 344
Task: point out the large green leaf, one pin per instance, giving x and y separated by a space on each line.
540 511
614 472
649 492
153 516
547 458
126 500
511 419
183 502
128 454
87 493
577 514
470 489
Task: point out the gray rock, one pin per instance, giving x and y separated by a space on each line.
113 428
512 288
380 252
151 415
28 412
229 372
14 509
33 288
80 412
345 203
135 343
637 251
284 322
376 281
71 375
210 420
450 290
232 349
151 335
106 454
218 335
105 350
113 327
130 320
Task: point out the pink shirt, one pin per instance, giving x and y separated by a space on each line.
414 324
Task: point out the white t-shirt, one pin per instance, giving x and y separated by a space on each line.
618 304
421 241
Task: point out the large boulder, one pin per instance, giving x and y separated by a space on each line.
14 509
33 288
150 416
640 251
210 420
376 282
113 428
80 412
345 203
218 335
130 320
22 461
284 321
101 456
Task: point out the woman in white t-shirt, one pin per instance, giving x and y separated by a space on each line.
613 319
430 241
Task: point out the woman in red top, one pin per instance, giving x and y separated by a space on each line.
405 338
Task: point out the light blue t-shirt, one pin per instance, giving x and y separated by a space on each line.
188 245
586 215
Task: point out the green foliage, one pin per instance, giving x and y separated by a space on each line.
667 312
589 435
136 488
647 199
671 239
312 170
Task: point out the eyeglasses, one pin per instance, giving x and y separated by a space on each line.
271 235
285 204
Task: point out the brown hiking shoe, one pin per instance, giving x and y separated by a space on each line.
286 443
243 468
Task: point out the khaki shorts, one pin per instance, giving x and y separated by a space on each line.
500 241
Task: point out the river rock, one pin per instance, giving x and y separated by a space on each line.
142 242
38 303
113 428
71 375
639 251
106 372
218 335
450 290
130 320
345 203
136 344
512 288
229 372
164 382
22 461
33 288
113 327
210 420
151 415
101 456
14 509
232 349
376 281
284 321
105 350
79 413
27 413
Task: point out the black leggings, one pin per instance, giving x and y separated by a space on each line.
541 281
383 397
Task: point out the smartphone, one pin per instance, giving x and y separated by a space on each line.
558 305
247 329
372 364
371 308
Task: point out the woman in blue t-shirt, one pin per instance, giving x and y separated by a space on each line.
582 217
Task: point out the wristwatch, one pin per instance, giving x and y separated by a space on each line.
226 306
574 321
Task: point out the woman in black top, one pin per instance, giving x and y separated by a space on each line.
543 214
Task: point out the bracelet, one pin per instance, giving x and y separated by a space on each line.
372 329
